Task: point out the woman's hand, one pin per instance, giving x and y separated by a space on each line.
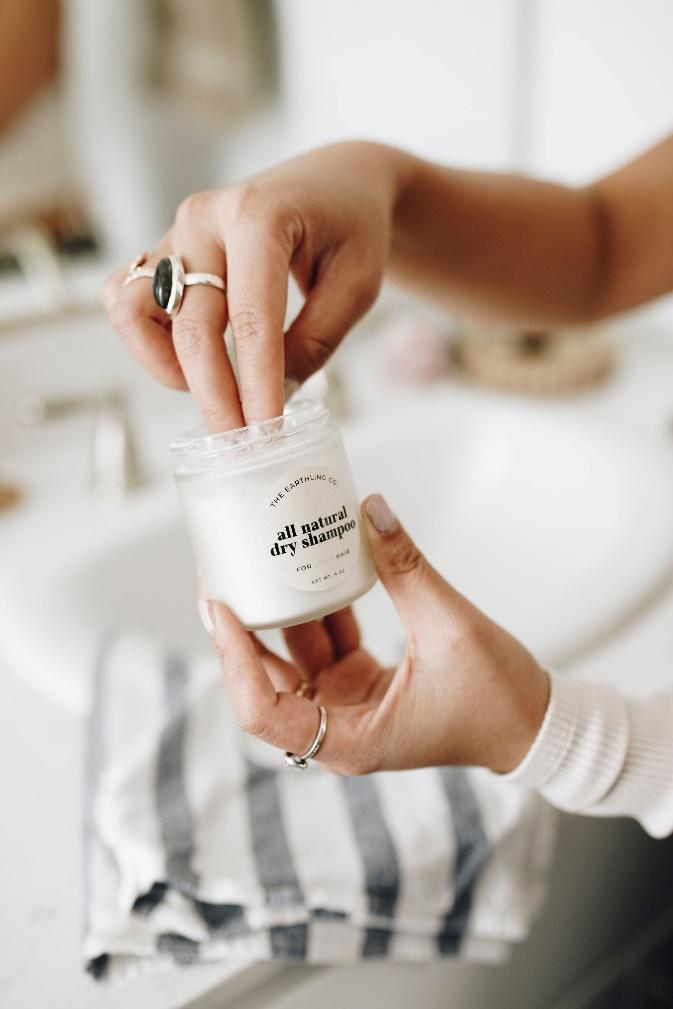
466 692
325 217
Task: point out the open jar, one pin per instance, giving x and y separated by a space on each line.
274 518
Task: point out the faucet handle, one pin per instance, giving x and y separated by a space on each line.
114 468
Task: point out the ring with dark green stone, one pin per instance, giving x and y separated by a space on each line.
162 284
170 280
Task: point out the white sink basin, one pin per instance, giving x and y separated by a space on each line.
557 525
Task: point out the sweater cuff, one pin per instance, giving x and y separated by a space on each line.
581 747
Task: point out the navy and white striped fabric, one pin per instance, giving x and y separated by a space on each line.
201 845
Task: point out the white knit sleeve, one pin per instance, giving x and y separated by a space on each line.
604 754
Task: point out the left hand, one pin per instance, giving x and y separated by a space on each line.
325 217
466 692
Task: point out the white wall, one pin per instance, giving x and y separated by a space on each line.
564 88
561 88
432 75
603 83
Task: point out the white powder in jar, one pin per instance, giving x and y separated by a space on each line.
274 518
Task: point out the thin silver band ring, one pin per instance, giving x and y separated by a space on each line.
300 760
210 279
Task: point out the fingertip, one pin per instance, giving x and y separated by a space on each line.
203 606
380 515
228 634
223 618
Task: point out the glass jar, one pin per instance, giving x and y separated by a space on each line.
274 518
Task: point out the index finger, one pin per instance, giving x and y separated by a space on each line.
283 720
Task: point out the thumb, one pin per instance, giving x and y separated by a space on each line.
418 591
344 288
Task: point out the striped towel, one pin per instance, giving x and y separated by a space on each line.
200 844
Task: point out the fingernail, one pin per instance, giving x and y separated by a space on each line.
379 514
206 617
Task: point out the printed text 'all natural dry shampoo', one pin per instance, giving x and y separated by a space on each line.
274 518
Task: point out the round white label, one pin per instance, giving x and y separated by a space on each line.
309 529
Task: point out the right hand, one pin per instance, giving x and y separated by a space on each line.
466 692
326 217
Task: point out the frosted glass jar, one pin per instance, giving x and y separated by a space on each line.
274 519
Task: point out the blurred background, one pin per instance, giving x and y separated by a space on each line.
111 113
559 474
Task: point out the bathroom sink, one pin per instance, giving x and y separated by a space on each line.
555 522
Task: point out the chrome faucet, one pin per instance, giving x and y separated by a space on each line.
114 468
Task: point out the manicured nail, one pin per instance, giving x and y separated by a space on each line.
206 617
379 514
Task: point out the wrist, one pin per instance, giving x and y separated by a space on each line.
391 167
524 713
408 173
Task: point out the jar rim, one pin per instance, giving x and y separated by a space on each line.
198 449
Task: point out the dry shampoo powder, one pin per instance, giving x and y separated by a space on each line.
274 518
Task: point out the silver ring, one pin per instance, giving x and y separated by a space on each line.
170 280
300 760
137 274
136 269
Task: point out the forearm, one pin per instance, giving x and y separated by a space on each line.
509 247
603 754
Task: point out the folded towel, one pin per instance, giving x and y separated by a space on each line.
200 844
